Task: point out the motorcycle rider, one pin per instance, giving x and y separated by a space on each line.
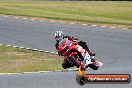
86 54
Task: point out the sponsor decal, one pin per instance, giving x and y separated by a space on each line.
108 78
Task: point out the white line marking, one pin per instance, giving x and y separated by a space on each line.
125 28
28 48
29 72
38 72
72 23
46 51
6 16
52 21
84 24
9 73
103 26
76 69
16 17
41 50
35 49
22 47
58 70
8 45
112 27
94 25
15 46
25 18
41 20
32 19
52 52
62 22
44 71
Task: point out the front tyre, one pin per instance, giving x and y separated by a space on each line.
72 58
67 65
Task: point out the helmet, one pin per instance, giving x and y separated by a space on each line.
58 35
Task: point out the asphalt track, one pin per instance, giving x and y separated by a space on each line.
113 47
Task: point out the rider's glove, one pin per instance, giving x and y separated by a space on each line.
74 39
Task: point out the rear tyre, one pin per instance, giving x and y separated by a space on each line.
94 67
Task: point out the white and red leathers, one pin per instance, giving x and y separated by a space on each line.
85 54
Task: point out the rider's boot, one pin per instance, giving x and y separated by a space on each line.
94 65
93 60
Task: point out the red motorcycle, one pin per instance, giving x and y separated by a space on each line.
72 57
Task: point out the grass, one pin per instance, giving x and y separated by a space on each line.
22 60
99 12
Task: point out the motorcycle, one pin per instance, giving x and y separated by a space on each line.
72 56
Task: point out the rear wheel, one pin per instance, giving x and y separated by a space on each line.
93 66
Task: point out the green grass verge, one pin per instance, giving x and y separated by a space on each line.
99 12
21 60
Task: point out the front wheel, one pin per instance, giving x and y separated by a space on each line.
67 64
72 58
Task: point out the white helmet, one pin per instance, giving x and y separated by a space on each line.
58 35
